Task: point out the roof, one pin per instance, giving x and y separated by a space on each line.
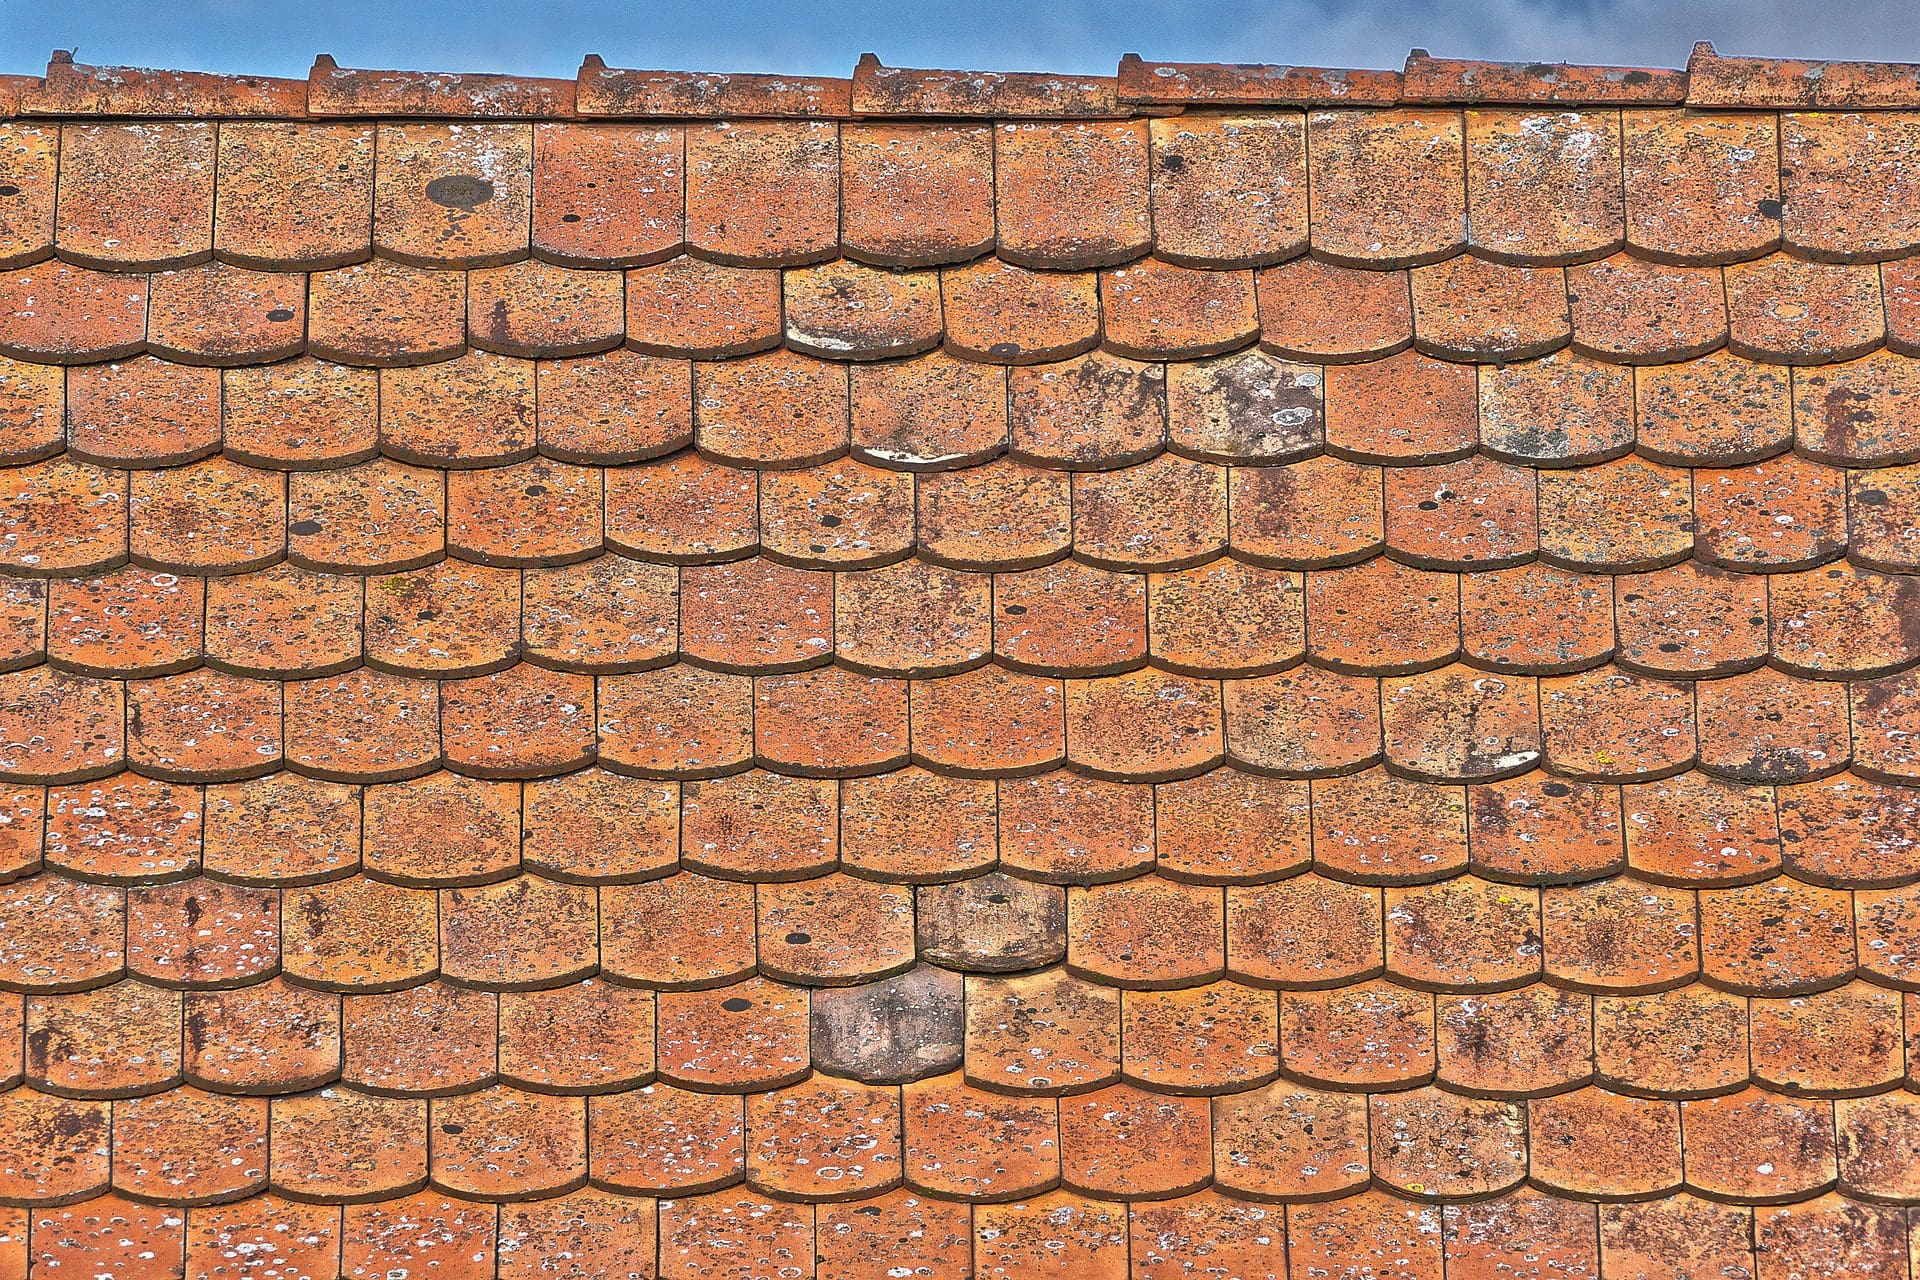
1239 671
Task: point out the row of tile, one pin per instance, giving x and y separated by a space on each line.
592 1233
914 826
1045 1034
1389 188
1449 725
1615 311
1462 934
829 1140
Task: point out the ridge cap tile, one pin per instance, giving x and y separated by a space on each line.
333 90
1252 84
619 92
1716 80
1428 79
70 88
880 90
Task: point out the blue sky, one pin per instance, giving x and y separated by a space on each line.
547 37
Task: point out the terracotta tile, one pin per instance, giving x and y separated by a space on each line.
759 826
519 934
1701 187
1350 841
476 411
1694 829
777 410
744 1038
410 620
261 1237
29 163
450 1238
1776 938
359 935
118 1040
1900 289
203 933
786 172
1591 1143
136 197
1882 509
1439 1145
1165 513
608 195
1463 934
54 1148
534 309
1528 1042
364 726
1758 1146
1769 728
830 722
734 1233
1619 935
189 1147
1885 921
1056 1234
123 829
912 618
582 1234
842 513
212 517
603 615
688 306
969 1143
1624 516
77 730
65 517
1213 1039
340 1145
1691 619
1833 1042
1071 619
1631 311
1381 170
1831 1237
863 1241
1070 194
1143 726
1876 1147
682 509
1125 1142
913 825
1468 309
659 1138
32 410
294 196
1287 1141
1522 1232
1461 515
301 414
1063 828
1883 713
453 194
22 820
1675 1237
1229 190
1329 314
386 314
1845 184
1303 723
1156 310
1245 408
1227 618
143 412
681 931
1843 621
426 1039
1146 933
283 621
1856 412
848 311
521 722
1000 515
379 515
1720 408
1787 311
991 923
1305 931
834 930
1362 1036
503 1143
1544 188
893 1031
114 1235
618 406
1002 313
1091 412
271 1037
1432 417
203 726
1561 410
23 622
932 413
442 830
1375 1230
1848 832
1568 620
1382 616
1047 1032
223 315
62 314
824 1139
1309 514
600 827
916 194
677 720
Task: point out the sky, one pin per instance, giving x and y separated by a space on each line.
824 37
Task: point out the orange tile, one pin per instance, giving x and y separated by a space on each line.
914 825
1423 717
1249 407
442 830
1005 314
978 1145
1592 1143
186 1146
1058 1234
256 225
522 722
1351 841
1154 310
284 621
1437 1145
1070 619
1000 515
1719 408
29 161
1071 194
1610 725
675 721
136 197
1048 1032
687 306
607 614
1766 727
777 410
1468 309
428 1232
533 309
1432 418
1473 514
386 314
1633 311
1883 713
1288 1141
124 828
748 1037
1789 311
1544 187
1463 934
1146 933
1381 617
1067 829
1310 514
1213 1039
1143 726
263 1236
590 1232
272 1037
1375 1229
1848 831
203 933
452 194
364 726
1227 618
912 618
682 509
1089 412
1758 1146
1881 510
934 412
1304 931
834 929
824 1139
1831 1042
33 400
1776 938
212 517
614 407
63 314
1619 935
1329 314
204 726
1229 190
1876 1146
1831 1237
679 931
1388 190
1842 621
1362 1036
1535 619
1691 619
1701 187
1677 1236
864 1241
119 1236
837 514
518 934
1694 829
341 1145
1303 723
916 194
1835 211
360 934
1521 1231
428 1039
1122 1141
1523 1043
1231 827
607 195
786 173
662 1139
476 411
143 412
1562 409
1165 513
379 515
848 311
117 1040
56 1149
502 1143
223 315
